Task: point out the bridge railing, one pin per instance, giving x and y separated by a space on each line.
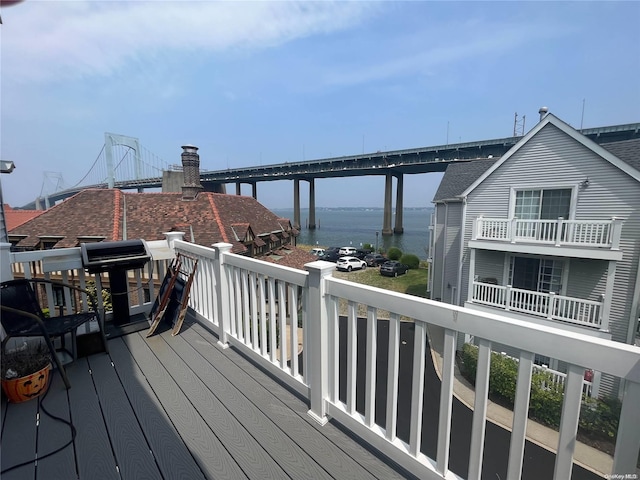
250 304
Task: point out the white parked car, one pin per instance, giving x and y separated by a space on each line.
318 252
347 251
350 263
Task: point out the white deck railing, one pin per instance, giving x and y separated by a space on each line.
582 233
242 286
257 307
583 312
65 265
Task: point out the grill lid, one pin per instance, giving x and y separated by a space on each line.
125 254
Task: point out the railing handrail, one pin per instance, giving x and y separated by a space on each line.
544 220
580 349
560 231
595 303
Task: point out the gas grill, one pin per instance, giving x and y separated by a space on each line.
115 258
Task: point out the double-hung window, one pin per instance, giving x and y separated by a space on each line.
533 207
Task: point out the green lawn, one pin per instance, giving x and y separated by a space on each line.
414 282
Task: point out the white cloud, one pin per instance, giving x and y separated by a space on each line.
440 48
60 40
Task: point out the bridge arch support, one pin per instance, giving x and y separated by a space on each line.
113 139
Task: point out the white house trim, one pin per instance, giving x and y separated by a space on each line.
549 250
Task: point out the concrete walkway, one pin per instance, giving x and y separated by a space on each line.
588 457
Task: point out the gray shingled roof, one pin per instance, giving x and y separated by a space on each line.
627 150
459 176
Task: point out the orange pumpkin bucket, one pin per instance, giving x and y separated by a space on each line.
22 389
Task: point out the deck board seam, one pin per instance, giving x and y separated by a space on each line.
233 354
274 425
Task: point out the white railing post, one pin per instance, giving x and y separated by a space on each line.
318 339
559 231
223 308
513 226
507 298
551 303
5 262
628 440
476 227
616 232
172 237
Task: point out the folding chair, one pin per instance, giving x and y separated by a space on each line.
22 316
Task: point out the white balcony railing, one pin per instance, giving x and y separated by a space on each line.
587 313
560 232
559 378
270 312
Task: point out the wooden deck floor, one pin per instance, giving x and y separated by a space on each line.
178 408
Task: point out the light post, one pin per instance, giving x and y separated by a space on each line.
376 242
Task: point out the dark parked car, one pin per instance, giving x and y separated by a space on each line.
393 269
360 253
375 259
331 256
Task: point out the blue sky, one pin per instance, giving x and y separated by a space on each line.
254 83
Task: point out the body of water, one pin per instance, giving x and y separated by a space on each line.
356 226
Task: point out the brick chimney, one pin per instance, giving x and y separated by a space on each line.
191 171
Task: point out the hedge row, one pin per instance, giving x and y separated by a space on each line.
598 417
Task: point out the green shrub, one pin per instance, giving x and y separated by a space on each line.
598 417
106 295
368 246
504 371
545 402
469 359
411 260
394 253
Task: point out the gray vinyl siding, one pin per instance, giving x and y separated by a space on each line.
552 158
439 252
587 278
490 264
452 246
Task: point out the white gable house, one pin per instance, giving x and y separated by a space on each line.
548 233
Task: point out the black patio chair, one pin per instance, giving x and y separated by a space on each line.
23 317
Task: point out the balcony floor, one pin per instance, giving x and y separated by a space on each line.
178 407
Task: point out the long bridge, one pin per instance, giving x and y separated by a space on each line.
139 169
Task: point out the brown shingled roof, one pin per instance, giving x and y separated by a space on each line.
101 212
290 257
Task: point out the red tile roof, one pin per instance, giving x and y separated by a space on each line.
15 217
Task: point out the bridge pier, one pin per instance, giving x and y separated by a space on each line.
254 190
238 188
399 206
386 219
312 204
296 203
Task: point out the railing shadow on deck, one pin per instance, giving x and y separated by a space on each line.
246 301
